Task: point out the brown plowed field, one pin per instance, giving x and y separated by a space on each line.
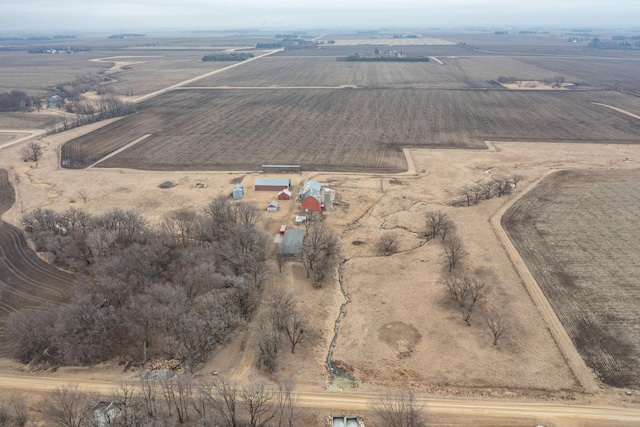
25 280
455 73
578 233
337 130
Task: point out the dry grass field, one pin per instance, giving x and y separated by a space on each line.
344 130
578 232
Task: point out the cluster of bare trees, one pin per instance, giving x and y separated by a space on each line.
91 111
439 224
31 152
495 186
14 412
142 292
470 295
166 400
281 321
18 100
321 249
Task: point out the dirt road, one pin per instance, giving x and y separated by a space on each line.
559 333
550 412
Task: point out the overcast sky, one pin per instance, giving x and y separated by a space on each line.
282 14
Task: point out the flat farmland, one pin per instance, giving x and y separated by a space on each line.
599 72
578 233
150 70
328 71
420 50
25 279
455 73
34 73
337 129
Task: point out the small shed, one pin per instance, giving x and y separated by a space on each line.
238 191
291 245
273 206
272 184
284 195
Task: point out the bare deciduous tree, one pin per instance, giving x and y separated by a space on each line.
467 291
454 250
435 220
387 244
267 338
19 405
177 394
399 409
286 403
281 259
31 152
515 179
296 329
84 195
497 327
258 398
68 406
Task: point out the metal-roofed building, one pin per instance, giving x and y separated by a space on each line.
272 184
291 245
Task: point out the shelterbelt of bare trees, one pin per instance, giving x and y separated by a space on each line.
141 292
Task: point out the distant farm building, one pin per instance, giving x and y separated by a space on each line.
238 191
291 245
273 206
281 168
284 195
272 184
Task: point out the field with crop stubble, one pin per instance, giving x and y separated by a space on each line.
336 130
578 232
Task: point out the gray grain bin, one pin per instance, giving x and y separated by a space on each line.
238 191
327 199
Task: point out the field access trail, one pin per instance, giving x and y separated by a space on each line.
25 280
549 412
195 79
576 363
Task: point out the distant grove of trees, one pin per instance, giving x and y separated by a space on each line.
58 49
382 58
262 45
17 100
170 292
227 56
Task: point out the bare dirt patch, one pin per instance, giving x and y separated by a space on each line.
402 337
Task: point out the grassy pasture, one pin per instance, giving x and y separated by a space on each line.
578 232
337 129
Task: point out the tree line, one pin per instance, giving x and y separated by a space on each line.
18 100
179 399
142 292
234 56
91 111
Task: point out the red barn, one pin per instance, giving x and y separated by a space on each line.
284 195
311 204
